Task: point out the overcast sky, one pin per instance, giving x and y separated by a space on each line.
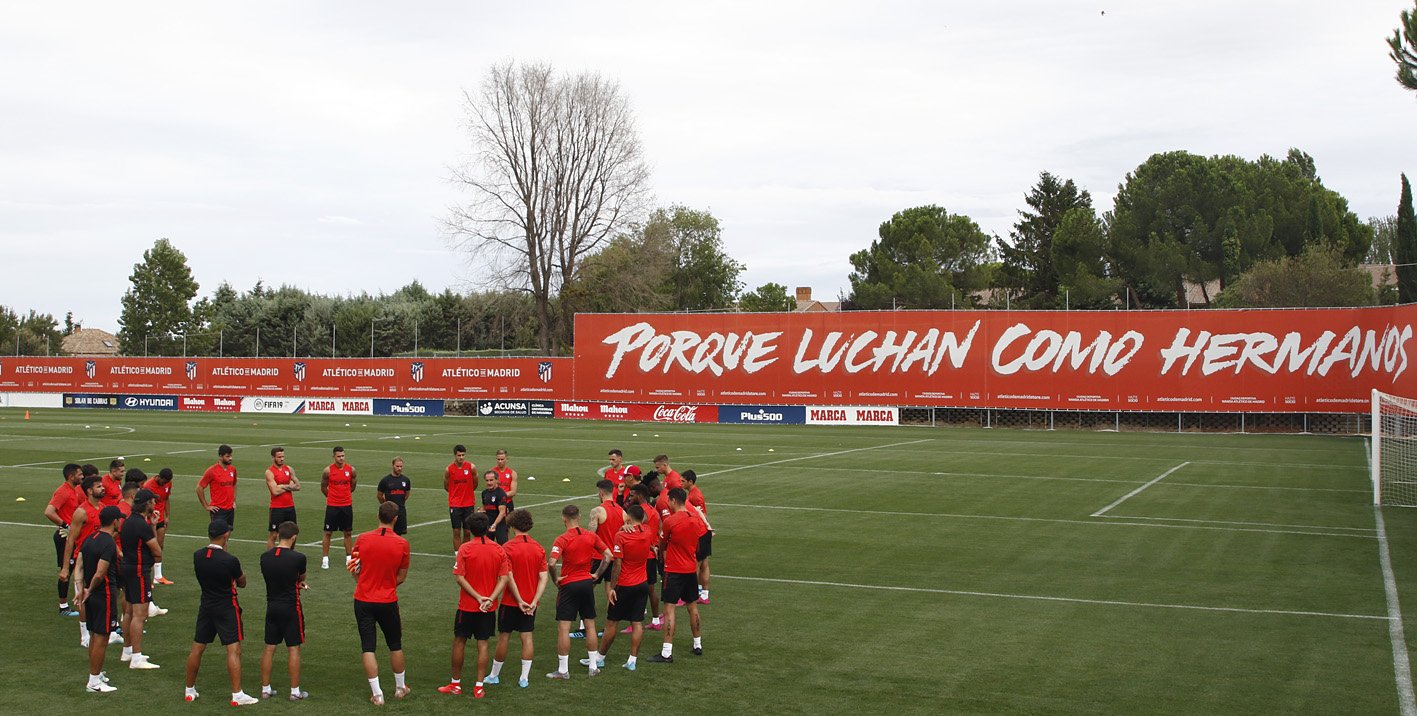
309 143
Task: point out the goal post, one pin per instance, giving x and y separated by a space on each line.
1393 462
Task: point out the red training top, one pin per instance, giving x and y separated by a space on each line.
90 525
65 500
381 555
617 476
696 498
112 490
221 479
341 492
528 561
614 520
462 487
633 549
504 479
164 495
481 562
681 537
651 520
661 503
672 479
283 475
576 548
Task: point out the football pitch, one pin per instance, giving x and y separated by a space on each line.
908 569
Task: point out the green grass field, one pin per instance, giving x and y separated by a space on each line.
883 569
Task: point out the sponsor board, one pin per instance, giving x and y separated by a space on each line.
412 408
516 408
852 415
31 400
638 412
762 414
1320 360
148 402
209 403
90 400
263 404
339 406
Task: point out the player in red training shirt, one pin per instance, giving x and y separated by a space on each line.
506 479
481 570
113 483
161 487
681 530
338 482
699 507
627 589
460 482
85 522
60 511
667 475
523 595
380 564
577 548
282 483
221 478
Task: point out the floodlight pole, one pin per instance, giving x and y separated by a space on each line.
459 348
415 339
294 338
332 340
258 341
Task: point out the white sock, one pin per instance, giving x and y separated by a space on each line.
374 687
561 663
398 680
128 651
295 691
703 593
496 668
582 626
667 651
655 621
63 605
237 694
95 679
631 661
191 691
526 668
83 629
266 689
157 571
594 658
698 642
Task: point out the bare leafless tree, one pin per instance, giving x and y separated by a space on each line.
556 171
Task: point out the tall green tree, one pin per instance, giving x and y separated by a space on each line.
1403 50
1318 278
1405 248
159 300
704 276
925 257
767 298
1182 218
32 334
1027 269
1384 239
1079 256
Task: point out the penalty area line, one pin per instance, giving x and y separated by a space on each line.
1138 491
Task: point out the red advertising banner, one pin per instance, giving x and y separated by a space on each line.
639 412
1300 360
436 378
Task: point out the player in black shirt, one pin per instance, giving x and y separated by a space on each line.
99 593
394 488
284 571
140 551
220 575
495 504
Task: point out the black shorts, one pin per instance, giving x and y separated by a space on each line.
605 576
458 516
652 573
629 603
383 614
476 625
705 546
58 550
339 519
498 535
228 515
161 525
281 514
680 587
576 601
137 584
220 621
284 622
510 619
101 610
401 524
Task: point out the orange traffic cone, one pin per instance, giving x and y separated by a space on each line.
27 415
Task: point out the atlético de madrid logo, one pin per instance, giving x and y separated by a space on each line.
415 371
191 370
543 371
90 368
299 372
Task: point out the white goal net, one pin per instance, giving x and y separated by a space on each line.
1394 458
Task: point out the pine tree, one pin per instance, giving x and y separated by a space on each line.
1405 250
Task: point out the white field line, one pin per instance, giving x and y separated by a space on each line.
1401 665
1070 600
1234 522
1138 491
814 456
444 520
1052 520
955 592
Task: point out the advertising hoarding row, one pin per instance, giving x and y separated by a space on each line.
1309 360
